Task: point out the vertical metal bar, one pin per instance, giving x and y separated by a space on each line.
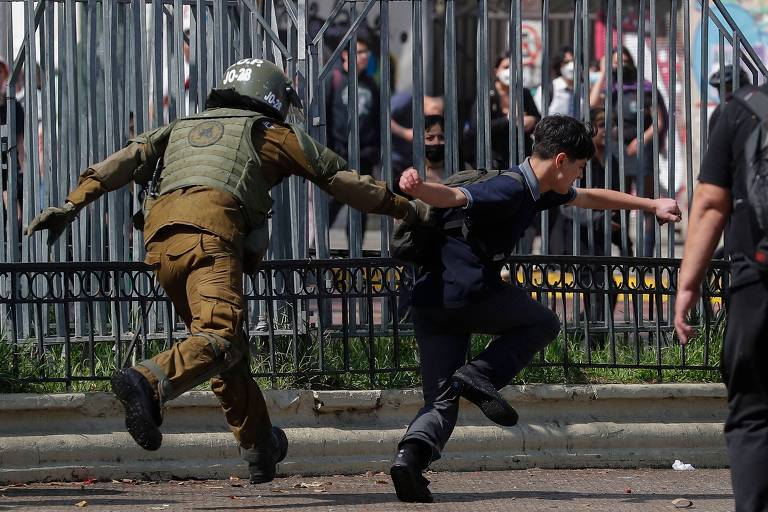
519 103
546 62
687 97
385 114
704 86
450 77
546 85
655 126
418 87
353 121
156 44
640 129
201 60
483 110
671 134
178 53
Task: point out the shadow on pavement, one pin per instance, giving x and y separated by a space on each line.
379 498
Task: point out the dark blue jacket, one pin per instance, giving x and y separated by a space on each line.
501 209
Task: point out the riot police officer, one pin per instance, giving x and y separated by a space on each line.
205 221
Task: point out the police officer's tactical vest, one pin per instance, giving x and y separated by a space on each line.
214 149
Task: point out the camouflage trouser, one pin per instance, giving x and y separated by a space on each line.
203 276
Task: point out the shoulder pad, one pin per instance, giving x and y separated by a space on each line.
323 161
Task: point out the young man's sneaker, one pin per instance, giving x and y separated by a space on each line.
479 390
410 485
262 460
142 412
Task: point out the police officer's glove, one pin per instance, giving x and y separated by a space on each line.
55 219
418 213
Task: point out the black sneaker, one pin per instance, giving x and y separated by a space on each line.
262 462
479 390
410 484
142 412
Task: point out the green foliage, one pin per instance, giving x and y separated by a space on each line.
321 362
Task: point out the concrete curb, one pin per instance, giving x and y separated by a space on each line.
76 436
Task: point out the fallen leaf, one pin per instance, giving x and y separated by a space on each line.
384 482
277 490
627 491
89 481
238 497
682 503
81 504
320 490
369 473
233 477
380 473
235 484
127 480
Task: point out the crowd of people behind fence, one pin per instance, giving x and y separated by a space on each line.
638 174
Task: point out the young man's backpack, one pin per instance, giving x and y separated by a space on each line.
756 170
420 244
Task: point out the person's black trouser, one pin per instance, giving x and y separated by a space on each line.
523 326
745 371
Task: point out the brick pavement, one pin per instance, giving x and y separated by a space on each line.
643 490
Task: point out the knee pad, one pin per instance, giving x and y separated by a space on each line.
226 355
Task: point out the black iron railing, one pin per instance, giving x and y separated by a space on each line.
342 322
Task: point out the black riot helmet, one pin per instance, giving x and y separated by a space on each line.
258 85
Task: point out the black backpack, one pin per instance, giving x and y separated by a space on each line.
756 170
420 244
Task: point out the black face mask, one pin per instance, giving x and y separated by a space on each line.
629 74
435 152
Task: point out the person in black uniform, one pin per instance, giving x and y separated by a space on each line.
720 201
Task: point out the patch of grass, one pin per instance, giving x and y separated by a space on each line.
330 361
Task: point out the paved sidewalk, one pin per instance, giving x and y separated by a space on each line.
643 490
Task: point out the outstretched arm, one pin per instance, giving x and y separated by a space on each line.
665 209
434 194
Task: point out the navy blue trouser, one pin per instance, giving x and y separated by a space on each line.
523 327
745 371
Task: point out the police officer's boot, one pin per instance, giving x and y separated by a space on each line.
262 460
142 412
480 391
412 458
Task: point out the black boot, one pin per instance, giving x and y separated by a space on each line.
142 412
412 458
478 389
262 460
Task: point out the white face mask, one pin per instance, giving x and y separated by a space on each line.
504 76
567 70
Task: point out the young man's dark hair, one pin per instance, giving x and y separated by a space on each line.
563 134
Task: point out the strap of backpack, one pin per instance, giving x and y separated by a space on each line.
464 223
754 99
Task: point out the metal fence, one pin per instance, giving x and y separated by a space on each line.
111 69
341 322
106 70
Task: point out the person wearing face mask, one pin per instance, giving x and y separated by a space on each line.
500 104
434 148
637 173
564 68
